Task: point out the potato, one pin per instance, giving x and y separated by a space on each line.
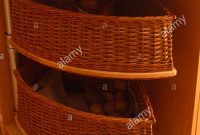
96 109
121 106
89 90
120 95
89 5
107 8
121 85
109 107
108 96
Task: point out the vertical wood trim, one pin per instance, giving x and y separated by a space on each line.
7 12
11 51
13 67
6 90
196 115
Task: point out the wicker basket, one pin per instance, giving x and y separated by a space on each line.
40 115
108 43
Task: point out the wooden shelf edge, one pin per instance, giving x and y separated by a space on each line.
11 129
19 127
15 128
1 128
95 73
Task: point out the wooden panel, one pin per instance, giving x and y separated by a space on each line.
11 129
12 57
6 93
19 127
0 130
174 109
0 122
7 19
196 116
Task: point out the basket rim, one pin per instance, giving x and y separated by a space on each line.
46 8
94 73
19 126
148 119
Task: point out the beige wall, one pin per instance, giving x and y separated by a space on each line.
174 109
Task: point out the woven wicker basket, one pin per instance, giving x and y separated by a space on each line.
40 115
108 43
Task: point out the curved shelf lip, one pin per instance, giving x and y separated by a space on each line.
19 127
95 73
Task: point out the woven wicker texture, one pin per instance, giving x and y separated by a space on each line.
40 115
109 43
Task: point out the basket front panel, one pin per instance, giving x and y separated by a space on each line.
40 115
107 43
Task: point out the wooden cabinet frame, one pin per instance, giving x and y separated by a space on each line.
164 100
6 88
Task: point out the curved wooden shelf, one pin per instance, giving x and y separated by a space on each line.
19 127
15 128
95 73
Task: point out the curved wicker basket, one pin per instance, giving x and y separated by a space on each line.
40 115
108 43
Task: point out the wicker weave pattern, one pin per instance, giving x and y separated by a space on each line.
40 115
109 43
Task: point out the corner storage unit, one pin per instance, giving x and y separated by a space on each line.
108 53
112 51
129 47
186 42
44 62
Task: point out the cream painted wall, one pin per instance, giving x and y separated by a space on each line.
175 109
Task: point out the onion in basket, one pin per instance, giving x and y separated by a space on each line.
89 5
121 106
96 109
109 107
120 95
107 8
121 85
108 96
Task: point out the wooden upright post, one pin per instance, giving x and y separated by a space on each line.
6 90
